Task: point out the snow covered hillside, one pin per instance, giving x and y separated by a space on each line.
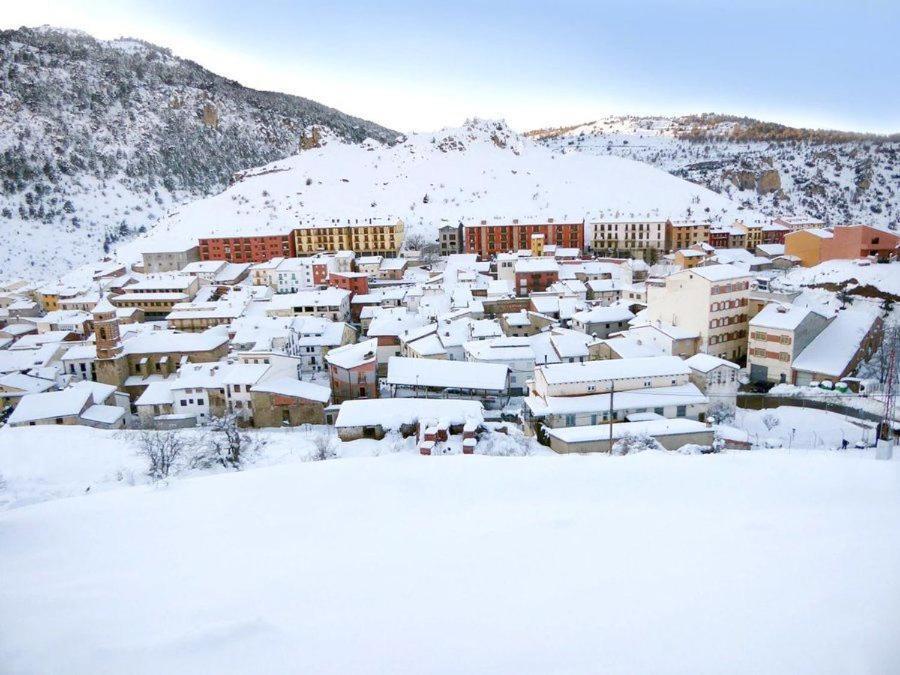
481 171
836 176
769 561
98 139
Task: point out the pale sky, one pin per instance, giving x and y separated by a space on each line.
418 67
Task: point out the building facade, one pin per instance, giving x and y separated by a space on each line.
369 236
709 300
252 249
487 240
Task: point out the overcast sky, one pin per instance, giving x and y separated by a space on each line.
416 67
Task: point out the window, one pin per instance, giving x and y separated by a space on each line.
681 411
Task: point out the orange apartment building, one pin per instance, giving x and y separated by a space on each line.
846 242
255 249
488 240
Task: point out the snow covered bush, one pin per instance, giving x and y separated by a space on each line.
771 421
722 411
499 444
226 444
164 450
631 443
324 446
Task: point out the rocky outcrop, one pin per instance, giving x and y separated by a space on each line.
768 181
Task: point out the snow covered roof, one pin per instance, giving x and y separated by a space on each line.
500 349
99 391
353 355
649 398
531 265
393 413
51 404
667 329
707 362
156 393
446 374
569 344
819 232
718 272
162 341
395 324
628 347
781 316
103 414
599 432
832 350
245 373
25 383
287 386
611 369
603 315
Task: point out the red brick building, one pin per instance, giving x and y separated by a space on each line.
355 282
319 273
487 240
255 249
718 238
773 233
534 275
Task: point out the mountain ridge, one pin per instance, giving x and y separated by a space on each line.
839 177
98 139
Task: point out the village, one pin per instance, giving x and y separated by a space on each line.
579 335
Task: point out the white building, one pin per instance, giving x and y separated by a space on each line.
711 300
514 353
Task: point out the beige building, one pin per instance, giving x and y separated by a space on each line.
684 234
367 236
777 336
711 300
637 237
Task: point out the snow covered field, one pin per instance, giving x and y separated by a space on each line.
759 562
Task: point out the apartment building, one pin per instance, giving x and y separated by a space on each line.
792 223
636 237
294 274
450 239
247 249
711 300
157 296
535 275
684 234
808 245
163 258
773 233
363 236
487 240
778 334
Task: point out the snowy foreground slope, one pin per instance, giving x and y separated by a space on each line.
760 562
481 171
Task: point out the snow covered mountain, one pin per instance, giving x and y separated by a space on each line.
837 176
481 171
99 139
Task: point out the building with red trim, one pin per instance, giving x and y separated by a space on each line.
488 240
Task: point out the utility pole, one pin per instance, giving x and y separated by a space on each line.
885 440
612 392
